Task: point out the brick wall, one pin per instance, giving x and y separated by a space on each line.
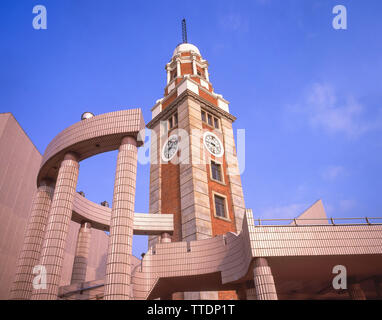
171 196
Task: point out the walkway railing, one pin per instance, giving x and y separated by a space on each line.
312 221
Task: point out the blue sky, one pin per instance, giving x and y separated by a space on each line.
308 96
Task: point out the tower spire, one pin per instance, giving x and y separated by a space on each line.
184 31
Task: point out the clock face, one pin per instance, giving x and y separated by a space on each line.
170 148
213 144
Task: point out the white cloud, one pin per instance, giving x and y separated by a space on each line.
327 111
289 211
333 172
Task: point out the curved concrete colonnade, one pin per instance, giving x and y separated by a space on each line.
56 202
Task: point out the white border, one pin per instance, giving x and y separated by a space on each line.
219 155
164 146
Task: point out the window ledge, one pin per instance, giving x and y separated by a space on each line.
217 181
211 126
223 218
173 128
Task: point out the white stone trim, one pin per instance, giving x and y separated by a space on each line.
204 84
207 74
222 104
178 70
171 87
188 84
156 110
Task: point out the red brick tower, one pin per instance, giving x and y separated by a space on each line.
194 169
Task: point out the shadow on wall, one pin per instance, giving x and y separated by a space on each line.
101 269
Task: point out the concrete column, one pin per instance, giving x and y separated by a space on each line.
165 238
82 252
118 266
52 254
207 74
34 237
355 291
264 282
178 70
168 75
194 71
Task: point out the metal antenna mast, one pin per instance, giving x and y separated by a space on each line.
184 31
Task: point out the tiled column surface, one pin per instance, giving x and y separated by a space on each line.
118 266
166 238
264 282
31 250
355 291
52 253
82 253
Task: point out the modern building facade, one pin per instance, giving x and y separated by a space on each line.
203 241
20 162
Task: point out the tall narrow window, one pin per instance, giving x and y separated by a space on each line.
216 171
220 206
209 119
173 121
204 116
216 123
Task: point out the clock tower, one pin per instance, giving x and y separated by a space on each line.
194 172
